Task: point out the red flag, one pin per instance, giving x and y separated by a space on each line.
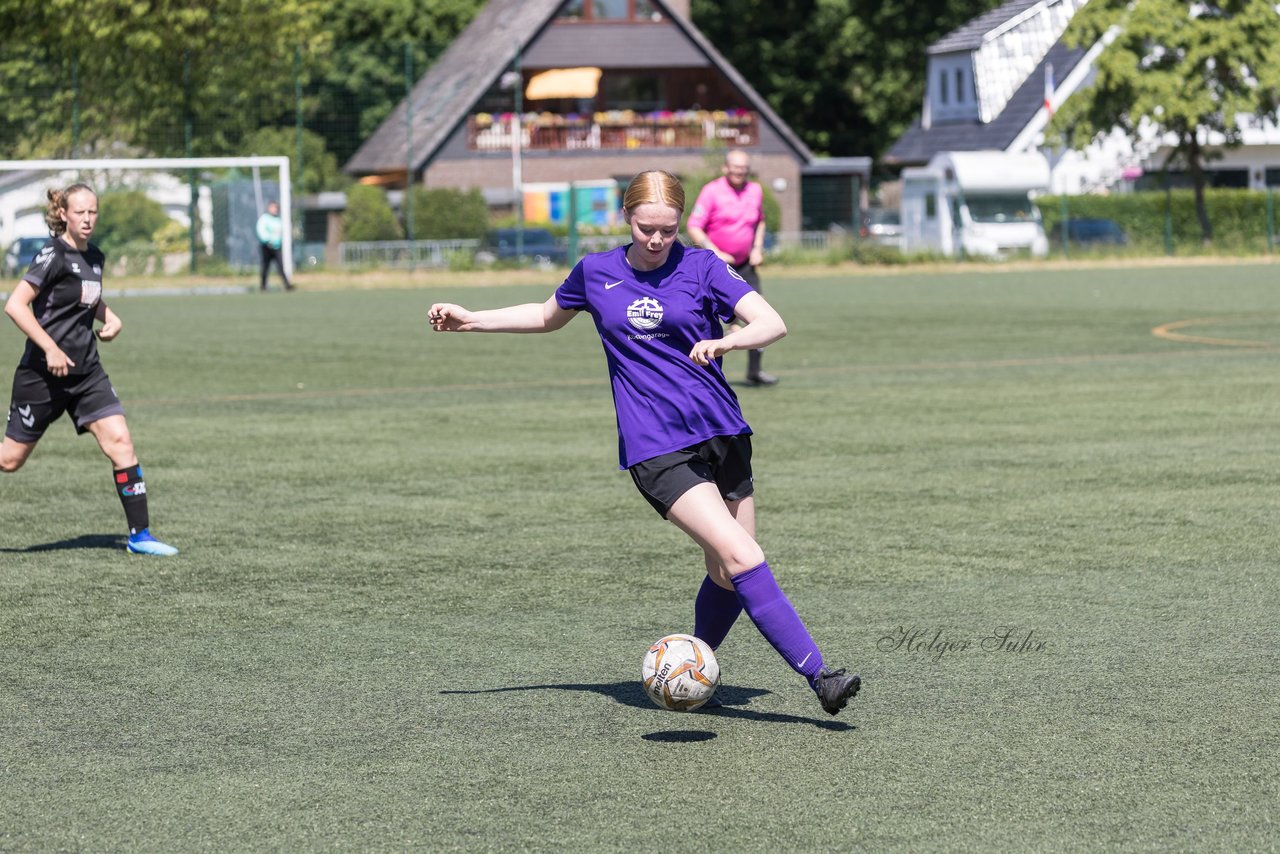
1048 89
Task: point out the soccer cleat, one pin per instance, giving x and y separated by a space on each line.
142 543
761 378
835 689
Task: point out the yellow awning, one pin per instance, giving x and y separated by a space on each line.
563 83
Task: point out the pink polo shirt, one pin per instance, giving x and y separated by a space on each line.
729 216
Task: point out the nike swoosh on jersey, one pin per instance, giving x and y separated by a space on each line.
611 285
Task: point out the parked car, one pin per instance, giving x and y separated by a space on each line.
538 246
1091 232
18 258
882 225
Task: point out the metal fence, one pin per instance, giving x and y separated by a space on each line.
406 254
467 254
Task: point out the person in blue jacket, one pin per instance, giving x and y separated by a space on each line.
270 234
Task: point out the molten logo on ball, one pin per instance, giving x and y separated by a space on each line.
680 673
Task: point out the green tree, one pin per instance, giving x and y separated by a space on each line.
320 169
127 216
369 216
448 214
140 74
365 77
846 75
1184 70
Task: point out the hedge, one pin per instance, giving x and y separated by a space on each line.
1239 217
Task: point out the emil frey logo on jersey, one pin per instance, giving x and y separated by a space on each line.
645 314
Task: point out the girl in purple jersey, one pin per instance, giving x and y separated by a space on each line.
55 305
659 308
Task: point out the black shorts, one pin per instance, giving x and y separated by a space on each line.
40 398
723 460
750 275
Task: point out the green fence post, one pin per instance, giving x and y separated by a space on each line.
1066 218
408 149
1271 220
573 223
75 105
189 132
296 172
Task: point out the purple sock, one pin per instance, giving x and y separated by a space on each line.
714 612
771 611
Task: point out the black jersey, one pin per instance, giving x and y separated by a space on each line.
68 287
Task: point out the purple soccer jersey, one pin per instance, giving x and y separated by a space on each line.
648 322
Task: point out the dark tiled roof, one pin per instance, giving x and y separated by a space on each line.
462 74
475 61
969 36
917 145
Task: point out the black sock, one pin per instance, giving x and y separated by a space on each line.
132 490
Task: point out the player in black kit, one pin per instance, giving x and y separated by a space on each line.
55 305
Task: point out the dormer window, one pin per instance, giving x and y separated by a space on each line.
951 98
609 10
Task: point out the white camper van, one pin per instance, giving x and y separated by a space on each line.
975 203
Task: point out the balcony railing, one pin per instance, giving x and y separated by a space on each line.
620 130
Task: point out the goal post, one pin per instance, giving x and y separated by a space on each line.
170 164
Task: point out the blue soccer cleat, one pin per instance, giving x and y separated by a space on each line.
142 543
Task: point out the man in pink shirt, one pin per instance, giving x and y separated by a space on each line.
728 219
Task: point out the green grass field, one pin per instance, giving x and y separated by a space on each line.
414 590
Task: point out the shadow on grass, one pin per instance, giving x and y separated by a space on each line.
631 694
109 542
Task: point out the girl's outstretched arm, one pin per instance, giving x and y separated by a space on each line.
529 317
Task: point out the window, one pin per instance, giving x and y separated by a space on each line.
645 11
942 87
930 206
959 85
609 10
632 92
1002 208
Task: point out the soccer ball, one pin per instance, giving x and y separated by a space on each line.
680 673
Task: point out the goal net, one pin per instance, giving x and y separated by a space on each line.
212 206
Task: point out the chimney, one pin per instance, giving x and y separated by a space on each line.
679 7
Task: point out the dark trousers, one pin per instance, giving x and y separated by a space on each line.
750 275
272 255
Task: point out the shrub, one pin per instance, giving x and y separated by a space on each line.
447 214
369 216
127 216
1239 217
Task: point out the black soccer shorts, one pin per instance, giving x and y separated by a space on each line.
722 460
39 399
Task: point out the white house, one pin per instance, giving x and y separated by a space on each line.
993 84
